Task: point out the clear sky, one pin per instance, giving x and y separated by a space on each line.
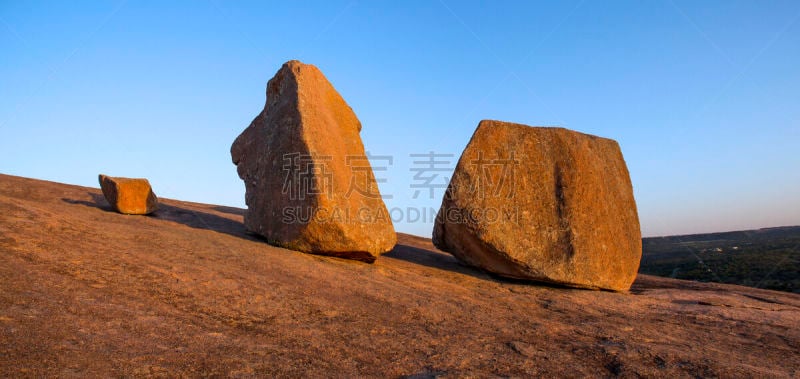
703 97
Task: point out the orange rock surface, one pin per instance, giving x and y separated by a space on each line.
309 186
546 204
128 195
87 292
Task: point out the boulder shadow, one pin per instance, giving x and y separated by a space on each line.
189 217
433 259
203 220
229 210
98 202
443 261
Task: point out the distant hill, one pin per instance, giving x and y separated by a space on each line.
763 258
187 292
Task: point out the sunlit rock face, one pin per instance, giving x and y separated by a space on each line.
309 186
544 204
129 195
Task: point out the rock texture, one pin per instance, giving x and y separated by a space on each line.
128 195
189 293
545 204
309 186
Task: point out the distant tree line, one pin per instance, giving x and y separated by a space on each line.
764 258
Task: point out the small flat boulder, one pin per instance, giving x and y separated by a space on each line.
129 195
542 204
309 186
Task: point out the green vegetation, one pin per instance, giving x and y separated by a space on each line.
765 258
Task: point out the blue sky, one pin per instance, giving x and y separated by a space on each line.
703 97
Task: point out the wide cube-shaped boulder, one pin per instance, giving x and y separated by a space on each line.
542 204
131 196
309 185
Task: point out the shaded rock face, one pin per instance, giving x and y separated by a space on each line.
309 186
128 195
544 204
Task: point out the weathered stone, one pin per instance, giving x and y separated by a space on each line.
128 195
543 204
309 186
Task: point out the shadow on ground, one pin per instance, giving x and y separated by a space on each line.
404 250
433 259
189 217
229 210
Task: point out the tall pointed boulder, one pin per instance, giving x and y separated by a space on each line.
309 185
